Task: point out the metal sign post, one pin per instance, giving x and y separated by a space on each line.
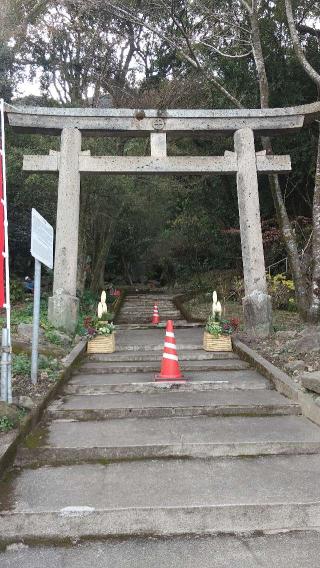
6 389
36 320
42 251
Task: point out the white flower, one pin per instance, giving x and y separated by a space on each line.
216 306
102 307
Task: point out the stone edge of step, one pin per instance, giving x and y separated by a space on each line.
151 367
153 387
71 455
74 522
167 412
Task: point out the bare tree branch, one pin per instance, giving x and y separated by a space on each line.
237 56
247 6
304 29
297 46
191 59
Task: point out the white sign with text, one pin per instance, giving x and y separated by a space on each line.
41 239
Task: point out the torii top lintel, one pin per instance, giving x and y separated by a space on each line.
175 122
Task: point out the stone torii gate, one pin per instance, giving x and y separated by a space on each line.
244 162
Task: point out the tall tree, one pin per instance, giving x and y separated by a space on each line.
314 308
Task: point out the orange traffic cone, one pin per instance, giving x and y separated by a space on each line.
155 317
170 370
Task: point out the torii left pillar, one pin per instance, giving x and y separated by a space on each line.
64 304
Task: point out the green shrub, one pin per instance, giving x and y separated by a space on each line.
17 292
237 289
6 424
21 364
22 314
217 327
88 301
281 290
292 306
52 336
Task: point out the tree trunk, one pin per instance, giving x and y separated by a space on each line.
127 271
314 303
282 215
288 239
315 287
100 260
297 47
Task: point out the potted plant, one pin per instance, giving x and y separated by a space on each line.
100 331
218 331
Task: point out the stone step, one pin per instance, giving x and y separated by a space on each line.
157 356
147 366
166 404
182 324
148 312
155 298
148 308
295 549
155 335
145 321
156 295
166 301
153 339
162 497
198 437
246 379
149 300
121 348
155 387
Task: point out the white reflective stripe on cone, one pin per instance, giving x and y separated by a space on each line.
170 345
169 356
169 334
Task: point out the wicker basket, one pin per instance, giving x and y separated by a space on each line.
211 343
102 344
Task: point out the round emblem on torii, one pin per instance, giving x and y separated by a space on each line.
158 123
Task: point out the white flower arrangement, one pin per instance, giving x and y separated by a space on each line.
216 306
102 306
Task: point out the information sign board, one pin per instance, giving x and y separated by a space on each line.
41 239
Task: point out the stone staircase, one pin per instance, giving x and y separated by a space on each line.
138 308
221 471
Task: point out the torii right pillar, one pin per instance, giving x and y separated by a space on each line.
256 303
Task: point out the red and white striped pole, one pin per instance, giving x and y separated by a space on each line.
6 389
